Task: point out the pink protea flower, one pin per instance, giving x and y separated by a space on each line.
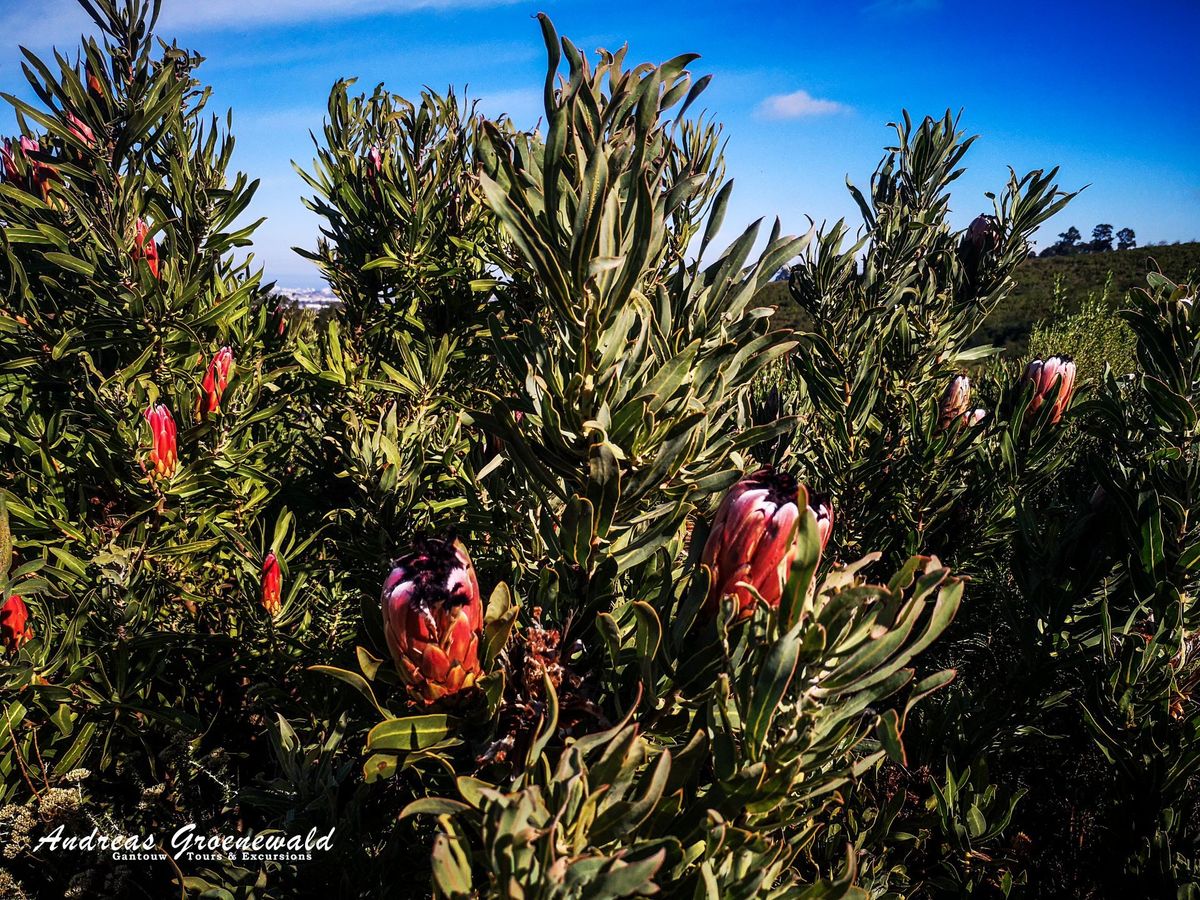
272 584
983 234
752 542
80 130
14 624
374 163
217 379
956 401
164 453
973 417
433 619
823 509
1041 376
40 173
144 247
11 173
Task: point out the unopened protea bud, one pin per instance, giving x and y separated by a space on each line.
40 173
823 509
14 624
973 417
144 247
752 542
981 240
1041 377
80 130
217 379
272 584
956 401
433 618
95 88
374 163
983 234
164 453
278 321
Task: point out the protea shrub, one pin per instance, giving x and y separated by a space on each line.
433 619
1041 377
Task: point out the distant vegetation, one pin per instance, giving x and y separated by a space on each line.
1071 242
1079 276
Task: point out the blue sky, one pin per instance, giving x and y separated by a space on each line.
1106 90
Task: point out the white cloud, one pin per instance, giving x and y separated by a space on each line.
798 105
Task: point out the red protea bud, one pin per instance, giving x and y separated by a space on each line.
14 624
752 542
272 584
80 130
956 401
279 319
1042 376
164 453
217 379
433 618
93 82
973 417
374 163
144 247
823 509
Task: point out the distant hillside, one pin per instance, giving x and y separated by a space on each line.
1033 299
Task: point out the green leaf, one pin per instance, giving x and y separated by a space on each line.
433 806
412 732
498 623
356 681
774 678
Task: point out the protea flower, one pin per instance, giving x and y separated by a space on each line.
1041 378
433 618
973 417
983 234
93 82
14 624
40 173
374 163
981 240
11 173
956 401
272 584
80 130
823 509
144 247
164 453
752 542
217 379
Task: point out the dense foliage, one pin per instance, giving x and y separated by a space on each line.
549 564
